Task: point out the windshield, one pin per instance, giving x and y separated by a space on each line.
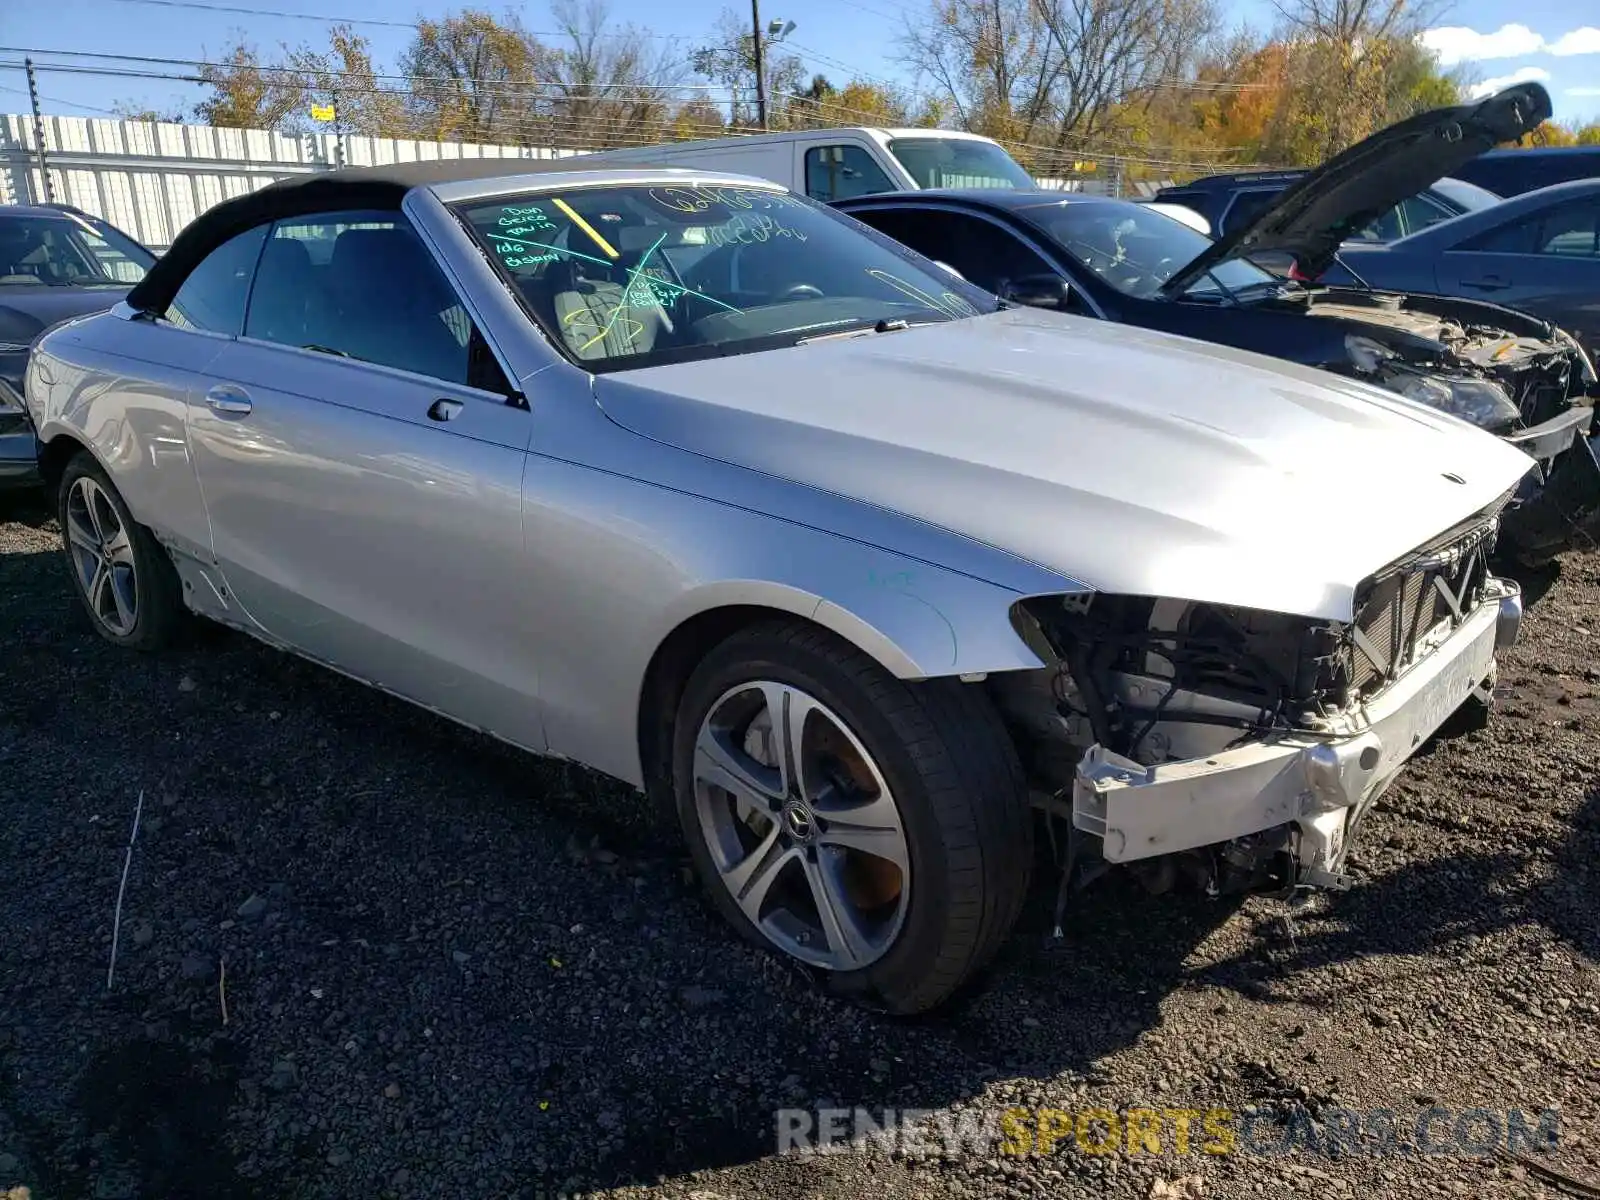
1468 197
1136 250
936 162
638 276
65 252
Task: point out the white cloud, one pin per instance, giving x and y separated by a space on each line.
1521 75
1579 41
1457 43
1583 91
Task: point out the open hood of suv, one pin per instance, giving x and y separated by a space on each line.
1312 217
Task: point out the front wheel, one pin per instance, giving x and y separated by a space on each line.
874 830
123 577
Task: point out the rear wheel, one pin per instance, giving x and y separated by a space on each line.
123 577
873 830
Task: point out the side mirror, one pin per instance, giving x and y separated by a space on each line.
1037 291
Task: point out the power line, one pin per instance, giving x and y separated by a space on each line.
321 72
247 11
242 10
67 103
608 126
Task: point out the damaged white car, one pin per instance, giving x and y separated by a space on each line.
703 485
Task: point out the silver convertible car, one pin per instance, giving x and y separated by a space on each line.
717 491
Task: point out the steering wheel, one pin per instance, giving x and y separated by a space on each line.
798 291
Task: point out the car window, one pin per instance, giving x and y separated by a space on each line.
1136 251
984 253
1386 228
1410 215
60 251
1565 232
1467 197
1570 232
213 296
946 162
1247 206
635 276
363 286
840 172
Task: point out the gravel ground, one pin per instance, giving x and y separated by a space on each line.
363 953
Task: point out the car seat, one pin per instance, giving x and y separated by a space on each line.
596 313
20 249
284 293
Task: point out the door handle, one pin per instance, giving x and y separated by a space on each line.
444 410
228 399
1488 283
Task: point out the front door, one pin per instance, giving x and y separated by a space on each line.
362 467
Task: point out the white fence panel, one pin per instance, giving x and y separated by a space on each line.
153 178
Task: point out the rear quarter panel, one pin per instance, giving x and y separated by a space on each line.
122 389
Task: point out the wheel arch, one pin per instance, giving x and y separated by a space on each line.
56 453
906 633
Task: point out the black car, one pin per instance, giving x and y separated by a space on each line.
1513 374
1513 172
56 262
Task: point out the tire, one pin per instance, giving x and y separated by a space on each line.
952 777
135 600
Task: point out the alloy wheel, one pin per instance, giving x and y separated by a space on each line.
803 830
102 556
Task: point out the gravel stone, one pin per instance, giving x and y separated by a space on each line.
611 1037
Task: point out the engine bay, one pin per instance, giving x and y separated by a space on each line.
1541 371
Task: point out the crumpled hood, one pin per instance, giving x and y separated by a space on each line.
1131 461
1324 207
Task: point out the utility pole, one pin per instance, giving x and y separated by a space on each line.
38 129
761 68
338 131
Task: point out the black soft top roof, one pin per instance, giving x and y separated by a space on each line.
378 188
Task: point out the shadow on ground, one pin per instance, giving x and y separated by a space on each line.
583 1010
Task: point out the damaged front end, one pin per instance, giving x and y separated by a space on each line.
1512 375
1239 750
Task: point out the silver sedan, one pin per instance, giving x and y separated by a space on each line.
714 490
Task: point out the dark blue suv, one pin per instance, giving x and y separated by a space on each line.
1513 172
1230 202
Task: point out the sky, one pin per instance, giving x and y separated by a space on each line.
1496 41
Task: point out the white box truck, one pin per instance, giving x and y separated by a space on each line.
835 164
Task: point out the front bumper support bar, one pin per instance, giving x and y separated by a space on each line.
1320 785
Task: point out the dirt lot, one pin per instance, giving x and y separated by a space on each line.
363 953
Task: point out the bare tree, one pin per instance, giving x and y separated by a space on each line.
608 88
476 78
1048 74
1111 50
991 59
729 58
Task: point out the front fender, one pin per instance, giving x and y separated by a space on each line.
917 621
621 565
